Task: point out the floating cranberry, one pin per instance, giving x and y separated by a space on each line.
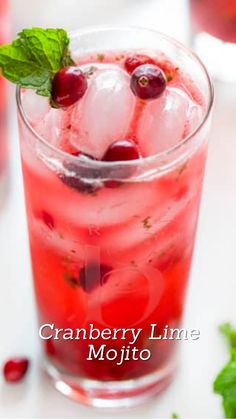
148 81
94 275
49 347
48 220
111 184
76 173
69 85
15 369
134 61
122 150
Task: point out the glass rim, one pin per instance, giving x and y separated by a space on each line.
96 164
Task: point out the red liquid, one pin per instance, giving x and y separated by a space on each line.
139 236
216 17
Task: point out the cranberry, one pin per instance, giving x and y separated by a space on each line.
148 81
15 369
69 85
134 61
122 150
75 181
48 220
111 184
49 347
93 275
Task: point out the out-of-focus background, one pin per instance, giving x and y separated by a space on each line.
213 285
72 14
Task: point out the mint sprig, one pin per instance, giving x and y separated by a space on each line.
225 382
33 59
229 332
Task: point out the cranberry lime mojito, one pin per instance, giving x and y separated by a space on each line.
214 27
3 105
216 17
113 155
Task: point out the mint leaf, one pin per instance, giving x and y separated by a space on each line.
71 280
147 223
225 382
225 385
230 333
33 59
174 416
229 408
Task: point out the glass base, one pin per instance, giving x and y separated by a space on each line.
111 394
218 56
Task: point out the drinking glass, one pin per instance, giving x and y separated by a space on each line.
118 257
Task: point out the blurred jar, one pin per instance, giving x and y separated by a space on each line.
214 35
4 26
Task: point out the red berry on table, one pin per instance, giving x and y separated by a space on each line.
134 61
15 369
122 150
148 81
69 85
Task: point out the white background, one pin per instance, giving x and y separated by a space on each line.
211 297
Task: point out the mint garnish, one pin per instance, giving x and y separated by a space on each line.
230 333
225 385
225 382
33 59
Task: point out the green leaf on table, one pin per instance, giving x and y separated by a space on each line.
33 59
225 385
229 332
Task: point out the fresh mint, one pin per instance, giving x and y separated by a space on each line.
225 385
230 333
147 223
33 59
71 280
225 382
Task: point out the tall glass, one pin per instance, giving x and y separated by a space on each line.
214 35
4 22
118 258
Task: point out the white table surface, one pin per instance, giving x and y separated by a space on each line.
213 284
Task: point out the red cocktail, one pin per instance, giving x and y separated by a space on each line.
214 28
3 105
112 187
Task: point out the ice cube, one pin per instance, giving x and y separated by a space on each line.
49 126
144 285
143 231
104 114
35 107
164 120
43 118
